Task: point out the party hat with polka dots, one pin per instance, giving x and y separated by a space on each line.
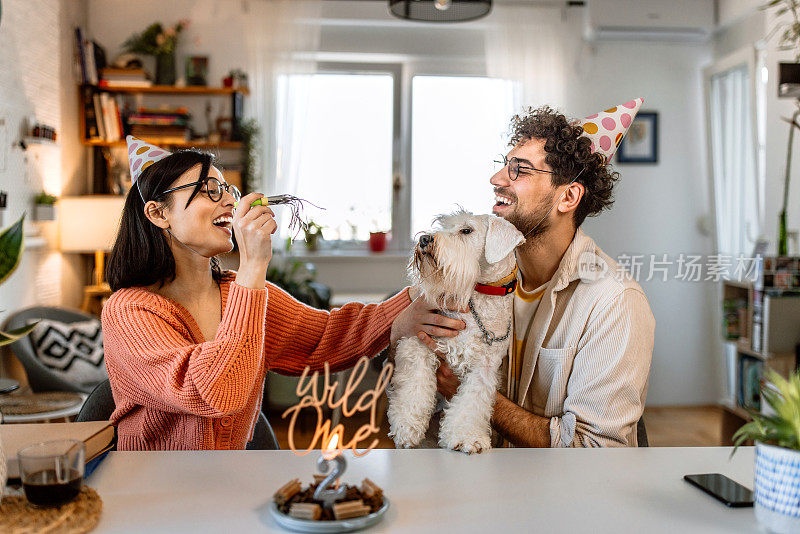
141 155
607 128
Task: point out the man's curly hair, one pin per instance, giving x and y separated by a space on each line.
567 154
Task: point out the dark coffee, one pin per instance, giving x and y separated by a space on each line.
42 488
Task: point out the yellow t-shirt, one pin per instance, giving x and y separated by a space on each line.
525 306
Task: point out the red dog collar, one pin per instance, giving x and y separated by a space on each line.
502 287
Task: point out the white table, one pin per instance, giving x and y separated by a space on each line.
508 490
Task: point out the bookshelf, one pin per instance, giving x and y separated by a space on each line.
236 95
124 104
761 329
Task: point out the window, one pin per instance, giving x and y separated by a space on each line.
345 137
459 126
345 163
734 134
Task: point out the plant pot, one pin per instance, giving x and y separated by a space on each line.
165 69
44 212
312 242
777 488
377 241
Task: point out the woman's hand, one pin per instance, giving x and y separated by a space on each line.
419 317
253 227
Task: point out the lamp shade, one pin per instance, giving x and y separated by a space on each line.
440 10
89 223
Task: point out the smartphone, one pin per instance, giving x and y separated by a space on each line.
723 489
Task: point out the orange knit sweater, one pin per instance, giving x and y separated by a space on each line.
176 391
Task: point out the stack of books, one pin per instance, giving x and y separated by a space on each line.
117 77
169 125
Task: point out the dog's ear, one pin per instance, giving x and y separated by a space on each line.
501 238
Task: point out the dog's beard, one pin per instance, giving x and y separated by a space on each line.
532 225
445 283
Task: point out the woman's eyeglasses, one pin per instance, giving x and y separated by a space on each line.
213 188
514 167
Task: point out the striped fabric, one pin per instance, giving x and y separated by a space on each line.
586 361
175 390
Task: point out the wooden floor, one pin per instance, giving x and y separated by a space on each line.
690 426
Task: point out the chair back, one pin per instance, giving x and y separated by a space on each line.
99 405
40 378
641 433
263 436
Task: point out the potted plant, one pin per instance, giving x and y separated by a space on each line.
160 42
377 241
313 232
44 207
11 246
776 433
236 78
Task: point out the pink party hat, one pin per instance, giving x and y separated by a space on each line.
141 155
607 128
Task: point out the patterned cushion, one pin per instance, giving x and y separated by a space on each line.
74 351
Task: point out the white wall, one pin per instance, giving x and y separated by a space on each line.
37 46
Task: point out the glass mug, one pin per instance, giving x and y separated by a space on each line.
52 472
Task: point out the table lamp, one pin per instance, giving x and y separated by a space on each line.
89 224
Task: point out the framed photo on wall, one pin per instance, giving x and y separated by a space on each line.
641 143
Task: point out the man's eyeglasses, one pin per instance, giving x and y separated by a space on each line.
514 167
213 188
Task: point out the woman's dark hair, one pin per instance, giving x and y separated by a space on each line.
141 255
567 153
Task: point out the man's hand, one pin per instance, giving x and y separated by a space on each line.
419 317
446 380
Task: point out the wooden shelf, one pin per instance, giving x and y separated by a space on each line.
172 90
738 411
184 144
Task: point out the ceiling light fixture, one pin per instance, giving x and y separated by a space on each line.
440 10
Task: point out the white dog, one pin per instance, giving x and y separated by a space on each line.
468 262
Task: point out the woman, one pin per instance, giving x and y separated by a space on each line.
187 346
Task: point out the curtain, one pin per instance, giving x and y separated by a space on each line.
525 44
733 162
282 37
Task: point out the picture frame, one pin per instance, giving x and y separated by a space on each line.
640 145
197 70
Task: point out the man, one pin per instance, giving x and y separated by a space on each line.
578 366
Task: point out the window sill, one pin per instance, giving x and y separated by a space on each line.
336 255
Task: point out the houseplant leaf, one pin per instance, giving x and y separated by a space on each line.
13 335
11 242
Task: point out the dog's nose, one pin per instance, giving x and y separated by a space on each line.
425 240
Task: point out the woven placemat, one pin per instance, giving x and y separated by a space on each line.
17 516
30 403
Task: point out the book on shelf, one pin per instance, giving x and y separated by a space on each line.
118 77
91 57
97 436
90 124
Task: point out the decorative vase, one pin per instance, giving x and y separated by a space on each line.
165 69
777 488
377 241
